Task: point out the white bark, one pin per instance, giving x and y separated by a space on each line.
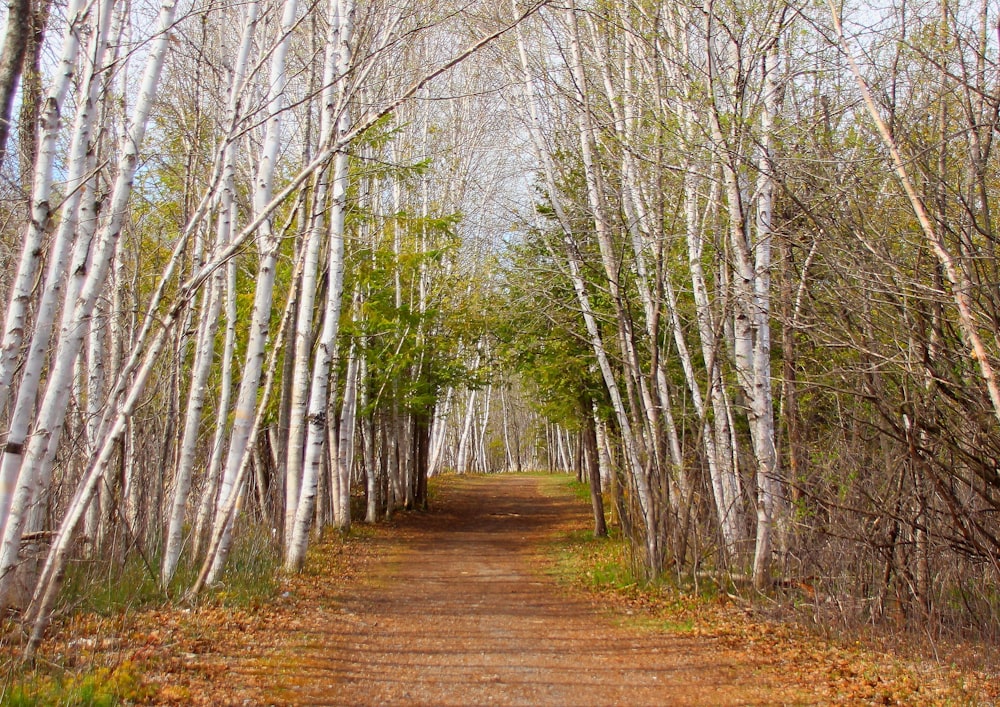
78 185
439 431
678 59
208 325
15 320
37 465
368 442
96 351
462 454
213 472
344 463
220 542
246 401
762 406
644 233
609 259
751 276
319 393
632 454
301 375
725 490
562 455
204 353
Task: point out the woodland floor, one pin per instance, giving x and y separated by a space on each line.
462 606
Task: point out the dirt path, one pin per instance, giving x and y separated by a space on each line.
462 613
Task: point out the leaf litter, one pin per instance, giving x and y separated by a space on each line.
365 587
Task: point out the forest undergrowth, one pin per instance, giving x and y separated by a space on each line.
139 649
841 664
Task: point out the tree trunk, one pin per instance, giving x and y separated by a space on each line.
246 401
15 45
15 322
592 457
37 465
319 394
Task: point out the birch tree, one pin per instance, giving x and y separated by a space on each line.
81 295
211 310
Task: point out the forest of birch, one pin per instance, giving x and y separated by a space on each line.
268 266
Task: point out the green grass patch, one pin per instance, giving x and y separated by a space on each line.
107 587
94 687
580 489
659 624
252 573
105 593
596 563
611 568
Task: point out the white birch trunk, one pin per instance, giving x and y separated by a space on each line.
724 484
641 230
76 215
484 422
762 406
246 401
213 472
603 457
204 353
509 455
208 326
95 400
462 454
345 447
635 468
301 375
15 320
319 393
439 432
37 465
562 455
751 291
221 540
630 358
368 442
676 57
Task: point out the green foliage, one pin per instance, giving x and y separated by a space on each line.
540 334
94 687
400 307
413 317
